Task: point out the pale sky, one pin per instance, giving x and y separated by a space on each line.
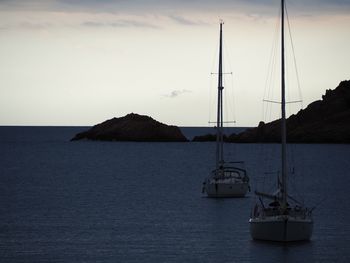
66 62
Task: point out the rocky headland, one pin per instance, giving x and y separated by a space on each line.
132 127
323 121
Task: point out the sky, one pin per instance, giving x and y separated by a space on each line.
80 62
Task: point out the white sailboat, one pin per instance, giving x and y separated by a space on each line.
228 179
284 218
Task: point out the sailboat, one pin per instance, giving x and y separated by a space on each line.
284 218
228 179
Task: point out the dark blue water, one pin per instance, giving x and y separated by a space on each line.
64 201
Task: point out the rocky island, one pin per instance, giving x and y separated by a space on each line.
323 121
132 127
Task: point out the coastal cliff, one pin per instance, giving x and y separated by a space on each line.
132 127
323 121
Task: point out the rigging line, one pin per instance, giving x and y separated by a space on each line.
272 101
294 58
293 185
289 81
225 103
233 100
222 122
267 81
269 86
292 147
210 98
278 102
275 77
272 51
227 63
211 89
228 107
325 197
227 73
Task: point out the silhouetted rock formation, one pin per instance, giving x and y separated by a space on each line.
132 127
323 121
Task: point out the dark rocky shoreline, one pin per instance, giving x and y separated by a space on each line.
323 121
132 127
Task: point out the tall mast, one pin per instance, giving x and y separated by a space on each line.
283 120
219 124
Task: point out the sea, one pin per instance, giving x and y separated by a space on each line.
93 201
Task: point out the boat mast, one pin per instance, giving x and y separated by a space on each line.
219 124
283 120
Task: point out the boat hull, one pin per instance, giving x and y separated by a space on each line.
283 229
236 189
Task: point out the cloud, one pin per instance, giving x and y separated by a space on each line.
31 26
177 6
120 23
35 26
150 14
184 21
176 93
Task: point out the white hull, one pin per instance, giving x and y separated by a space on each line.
281 228
226 189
